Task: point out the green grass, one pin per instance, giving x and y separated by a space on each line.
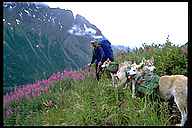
87 102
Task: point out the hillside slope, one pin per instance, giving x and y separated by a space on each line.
84 102
76 98
38 40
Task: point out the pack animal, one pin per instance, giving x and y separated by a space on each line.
119 77
176 86
133 74
173 85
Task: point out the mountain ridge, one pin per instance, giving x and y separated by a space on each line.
39 40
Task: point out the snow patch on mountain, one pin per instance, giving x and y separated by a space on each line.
89 30
83 30
26 11
18 21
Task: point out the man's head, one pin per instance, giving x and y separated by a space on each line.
94 43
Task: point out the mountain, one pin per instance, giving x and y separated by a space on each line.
38 40
120 48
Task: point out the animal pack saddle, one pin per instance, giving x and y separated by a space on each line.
147 83
113 67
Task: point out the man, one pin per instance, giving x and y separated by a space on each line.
101 52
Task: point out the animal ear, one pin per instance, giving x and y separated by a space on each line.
108 60
152 59
143 60
142 65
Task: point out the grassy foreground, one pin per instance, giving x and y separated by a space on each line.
86 102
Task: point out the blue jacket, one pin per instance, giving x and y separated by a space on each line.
103 52
98 55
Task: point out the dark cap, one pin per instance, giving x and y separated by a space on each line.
93 42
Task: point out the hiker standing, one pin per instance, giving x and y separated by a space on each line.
101 52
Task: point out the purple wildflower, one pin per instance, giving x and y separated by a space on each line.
8 112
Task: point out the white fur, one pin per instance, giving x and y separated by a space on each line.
133 71
120 73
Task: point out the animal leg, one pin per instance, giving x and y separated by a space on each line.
182 106
170 104
133 88
126 83
122 82
184 118
113 80
125 86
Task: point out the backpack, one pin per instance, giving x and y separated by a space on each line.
106 45
113 67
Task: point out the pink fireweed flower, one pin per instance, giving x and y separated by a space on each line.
36 85
6 99
42 86
36 93
8 112
52 78
28 89
46 90
46 82
39 82
17 97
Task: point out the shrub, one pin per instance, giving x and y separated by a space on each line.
169 58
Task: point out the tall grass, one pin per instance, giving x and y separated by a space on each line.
86 102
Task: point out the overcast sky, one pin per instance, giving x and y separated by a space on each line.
133 23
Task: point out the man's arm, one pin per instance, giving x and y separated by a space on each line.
101 54
93 57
